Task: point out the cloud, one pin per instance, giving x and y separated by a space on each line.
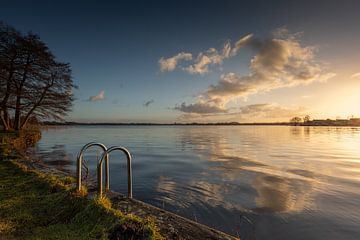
241 43
204 59
226 49
306 96
355 75
147 103
169 64
278 63
247 113
210 57
270 110
199 108
98 97
255 108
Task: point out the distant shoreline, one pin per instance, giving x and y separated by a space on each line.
315 123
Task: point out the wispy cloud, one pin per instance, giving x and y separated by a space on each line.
226 49
355 75
280 61
270 110
147 103
306 96
98 97
241 43
169 64
204 60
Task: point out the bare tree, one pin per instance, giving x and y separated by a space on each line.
9 39
33 82
306 119
295 121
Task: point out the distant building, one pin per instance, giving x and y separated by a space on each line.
320 122
337 122
354 121
342 122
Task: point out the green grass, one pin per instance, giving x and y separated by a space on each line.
35 206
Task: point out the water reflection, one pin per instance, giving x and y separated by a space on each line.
276 194
290 182
56 156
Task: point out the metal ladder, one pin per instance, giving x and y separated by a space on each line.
104 156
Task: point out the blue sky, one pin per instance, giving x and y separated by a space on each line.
115 47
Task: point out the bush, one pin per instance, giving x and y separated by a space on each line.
12 142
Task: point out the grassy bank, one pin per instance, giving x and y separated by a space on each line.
37 206
34 206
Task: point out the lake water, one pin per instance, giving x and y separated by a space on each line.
263 182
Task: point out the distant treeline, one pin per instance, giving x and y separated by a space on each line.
326 122
330 122
158 124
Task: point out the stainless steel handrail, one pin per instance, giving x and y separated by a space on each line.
129 170
80 160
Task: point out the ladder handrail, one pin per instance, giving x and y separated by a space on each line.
129 169
80 160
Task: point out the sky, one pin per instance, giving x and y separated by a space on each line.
202 61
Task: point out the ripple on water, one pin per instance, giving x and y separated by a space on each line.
289 182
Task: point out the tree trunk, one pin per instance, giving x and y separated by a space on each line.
26 119
17 123
17 112
5 120
4 123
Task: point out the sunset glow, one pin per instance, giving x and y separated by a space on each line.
180 119
150 66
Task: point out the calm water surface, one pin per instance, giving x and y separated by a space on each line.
263 182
